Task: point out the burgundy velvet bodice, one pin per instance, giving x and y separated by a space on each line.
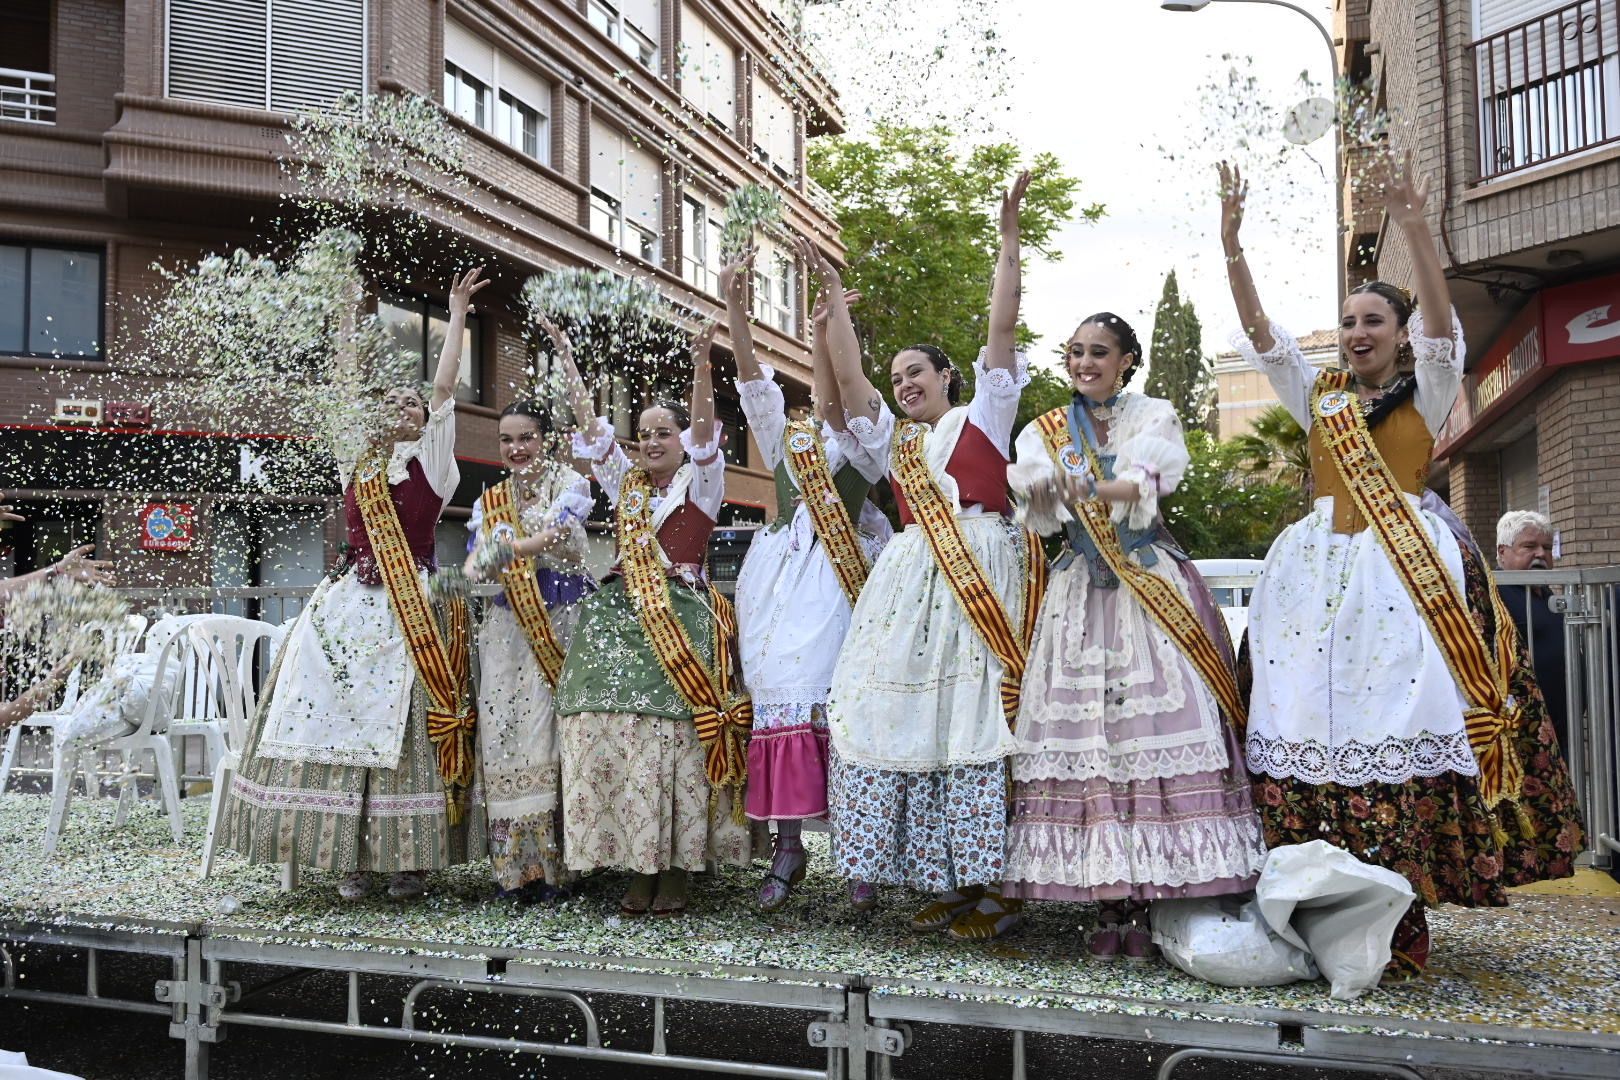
980 472
419 508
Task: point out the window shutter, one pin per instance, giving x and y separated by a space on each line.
607 159
643 184
217 51
643 15
1495 15
317 52
469 52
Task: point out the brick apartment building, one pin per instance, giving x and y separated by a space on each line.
139 131
1513 111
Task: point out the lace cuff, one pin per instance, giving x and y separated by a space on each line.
1445 352
595 448
571 505
701 454
1036 503
1149 487
1001 382
763 389
1283 349
872 434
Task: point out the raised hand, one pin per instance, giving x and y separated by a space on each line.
79 566
734 276
818 313
703 346
9 514
462 289
1404 193
1011 200
1234 192
559 338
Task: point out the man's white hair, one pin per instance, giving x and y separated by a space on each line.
1515 522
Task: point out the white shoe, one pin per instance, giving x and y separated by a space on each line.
407 885
355 886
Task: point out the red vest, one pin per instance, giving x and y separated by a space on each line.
684 536
980 471
419 508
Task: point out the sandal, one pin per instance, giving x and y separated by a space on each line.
355 886
942 912
407 885
638 897
775 889
990 918
862 895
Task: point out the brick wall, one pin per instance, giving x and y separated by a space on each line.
1577 416
1476 495
88 47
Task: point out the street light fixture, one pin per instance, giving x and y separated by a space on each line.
1339 269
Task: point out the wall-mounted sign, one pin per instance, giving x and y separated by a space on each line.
1583 321
167 526
77 411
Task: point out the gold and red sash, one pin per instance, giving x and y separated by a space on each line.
1492 716
969 583
723 715
828 515
440 664
523 588
1159 597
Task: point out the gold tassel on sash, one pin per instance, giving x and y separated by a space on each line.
441 664
724 717
828 515
1159 597
1492 716
967 579
523 589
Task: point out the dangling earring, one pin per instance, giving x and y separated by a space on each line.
1119 382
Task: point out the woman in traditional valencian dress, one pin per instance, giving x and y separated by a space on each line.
651 711
1128 784
797 586
363 758
528 532
928 677
1392 712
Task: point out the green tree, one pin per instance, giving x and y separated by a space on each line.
918 215
1178 370
1277 447
1222 509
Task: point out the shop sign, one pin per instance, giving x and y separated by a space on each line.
1583 321
167 526
1514 365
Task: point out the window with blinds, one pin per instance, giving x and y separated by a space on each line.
283 55
774 129
626 187
708 71
491 90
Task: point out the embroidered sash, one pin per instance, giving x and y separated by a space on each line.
440 664
723 715
828 515
523 587
1159 597
1492 715
967 579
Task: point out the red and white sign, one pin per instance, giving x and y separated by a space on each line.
1582 321
167 526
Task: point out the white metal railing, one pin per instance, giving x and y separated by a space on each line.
28 96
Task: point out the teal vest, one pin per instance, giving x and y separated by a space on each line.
851 485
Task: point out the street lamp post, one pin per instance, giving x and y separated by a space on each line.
1339 269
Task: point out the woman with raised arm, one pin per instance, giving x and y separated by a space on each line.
927 682
798 584
1389 713
528 532
651 711
1128 784
363 758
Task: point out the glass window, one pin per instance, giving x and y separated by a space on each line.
50 301
640 41
418 328
518 125
465 96
606 215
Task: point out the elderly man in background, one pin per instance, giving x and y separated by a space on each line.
1524 541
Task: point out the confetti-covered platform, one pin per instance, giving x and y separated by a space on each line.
1534 989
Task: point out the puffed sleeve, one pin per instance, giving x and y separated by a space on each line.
765 409
708 491
1036 504
438 453
996 391
875 434
475 522
1439 364
872 462
608 460
1153 456
1285 367
568 511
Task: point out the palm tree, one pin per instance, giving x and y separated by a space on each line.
1277 446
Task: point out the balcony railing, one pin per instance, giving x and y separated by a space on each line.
1548 87
28 96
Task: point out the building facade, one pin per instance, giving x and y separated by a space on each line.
603 133
1512 108
1242 393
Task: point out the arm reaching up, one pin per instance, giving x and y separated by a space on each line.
579 395
1404 198
462 290
734 287
703 386
1008 287
860 397
823 383
1252 317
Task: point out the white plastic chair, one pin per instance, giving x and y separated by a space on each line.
232 646
149 736
129 635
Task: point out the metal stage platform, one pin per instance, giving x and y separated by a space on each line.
1531 990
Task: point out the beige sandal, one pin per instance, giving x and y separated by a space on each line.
942 912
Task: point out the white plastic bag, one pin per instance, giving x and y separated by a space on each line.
1225 940
1338 908
14 1066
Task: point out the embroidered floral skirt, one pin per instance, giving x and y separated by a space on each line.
636 797
935 830
1129 781
348 817
1436 831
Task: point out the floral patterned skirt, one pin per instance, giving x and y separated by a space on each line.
936 830
636 797
1436 831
